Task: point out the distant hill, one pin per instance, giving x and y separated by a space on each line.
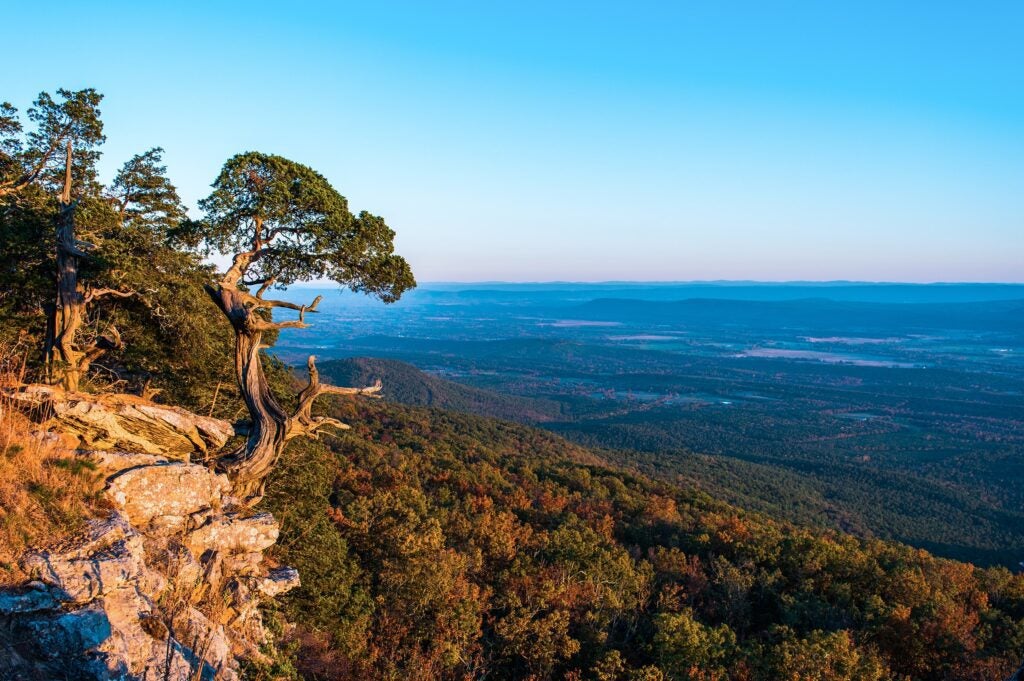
405 384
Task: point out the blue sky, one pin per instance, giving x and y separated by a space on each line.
588 140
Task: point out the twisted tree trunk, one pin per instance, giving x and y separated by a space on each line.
61 357
271 427
249 464
65 360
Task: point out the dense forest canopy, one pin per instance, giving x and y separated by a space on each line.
433 545
439 545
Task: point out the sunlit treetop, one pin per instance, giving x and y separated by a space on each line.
73 118
283 222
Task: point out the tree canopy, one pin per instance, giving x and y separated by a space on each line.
73 117
284 223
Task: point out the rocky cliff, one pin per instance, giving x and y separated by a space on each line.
168 585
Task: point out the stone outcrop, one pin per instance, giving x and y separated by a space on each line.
124 423
169 494
168 586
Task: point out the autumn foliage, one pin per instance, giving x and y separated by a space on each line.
438 546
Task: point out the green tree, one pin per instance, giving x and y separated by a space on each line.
144 197
60 152
283 222
688 649
826 657
71 120
168 312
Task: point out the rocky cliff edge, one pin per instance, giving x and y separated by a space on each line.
168 585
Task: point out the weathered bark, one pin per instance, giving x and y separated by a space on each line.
66 361
63 360
271 427
249 464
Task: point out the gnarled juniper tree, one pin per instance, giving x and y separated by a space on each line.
60 153
282 222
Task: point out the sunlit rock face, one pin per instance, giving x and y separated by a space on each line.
123 423
168 585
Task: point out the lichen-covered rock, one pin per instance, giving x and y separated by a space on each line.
168 493
234 534
111 461
33 597
278 581
122 422
76 630
86 567
169 586
65 645
103 608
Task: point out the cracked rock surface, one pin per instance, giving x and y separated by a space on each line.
124 423
167 586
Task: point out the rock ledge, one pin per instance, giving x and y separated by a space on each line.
168 586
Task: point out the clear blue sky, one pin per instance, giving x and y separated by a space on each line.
590 140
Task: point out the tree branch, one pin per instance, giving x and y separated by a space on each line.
32 175
302 422
111 341
302 309
97 293
319 422
267 283
257 324
239 264
76 247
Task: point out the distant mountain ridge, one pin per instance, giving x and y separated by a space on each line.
558 294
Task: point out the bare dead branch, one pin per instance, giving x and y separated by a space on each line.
314 388
302 422
111 340
267 304
97 293
257 324
315 424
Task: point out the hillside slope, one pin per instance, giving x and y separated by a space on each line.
405 384
437 545
740 461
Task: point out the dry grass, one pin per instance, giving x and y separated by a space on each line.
46 493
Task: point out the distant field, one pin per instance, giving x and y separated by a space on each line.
898 412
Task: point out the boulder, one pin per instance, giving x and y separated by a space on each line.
232 534
111 461
166 493
33 597
279 581
105 558
79 630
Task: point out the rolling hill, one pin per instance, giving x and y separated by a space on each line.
405 384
